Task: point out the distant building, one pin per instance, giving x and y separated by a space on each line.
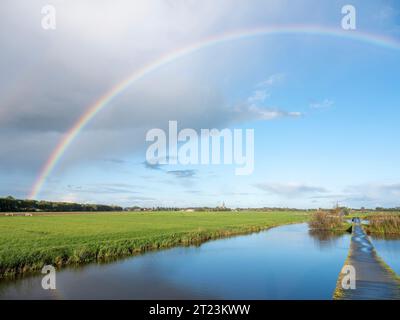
222 206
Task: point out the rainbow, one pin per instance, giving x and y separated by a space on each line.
137 75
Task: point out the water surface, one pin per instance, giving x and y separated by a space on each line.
286 262
388 248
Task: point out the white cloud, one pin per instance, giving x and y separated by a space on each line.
272 80
247 112
252 109
261 93
324 104
258 96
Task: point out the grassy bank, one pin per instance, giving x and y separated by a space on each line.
28 243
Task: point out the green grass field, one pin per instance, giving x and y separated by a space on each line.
28 243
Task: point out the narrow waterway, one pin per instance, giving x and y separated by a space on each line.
388 249
287 262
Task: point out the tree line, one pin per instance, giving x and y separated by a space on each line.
10 204
396 209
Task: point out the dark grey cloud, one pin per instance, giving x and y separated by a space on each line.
241 193
115 160
158 163
182 173
390 187
359 199
380 189
328 196
374 194
194 191
140 199
107 188
50 78
289 189
368 195
151 166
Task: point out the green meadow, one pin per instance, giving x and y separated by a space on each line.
29 242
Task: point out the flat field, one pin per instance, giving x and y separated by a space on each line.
29 242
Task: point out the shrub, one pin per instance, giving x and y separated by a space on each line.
322 220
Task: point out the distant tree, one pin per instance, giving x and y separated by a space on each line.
10 204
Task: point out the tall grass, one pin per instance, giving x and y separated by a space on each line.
324 220
384 224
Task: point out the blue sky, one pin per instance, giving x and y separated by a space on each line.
342 148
